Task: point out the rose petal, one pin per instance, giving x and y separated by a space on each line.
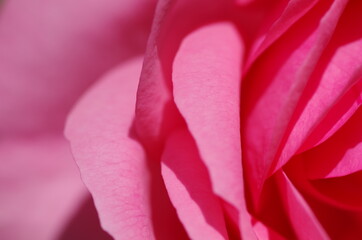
271 211
342 220
156 113
292 13
274 85
206 78
113 165
188 184
264 232
340 155
300 214
337 116
343 192
339 69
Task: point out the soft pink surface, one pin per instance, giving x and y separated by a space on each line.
206 81
50 51
188 184
40 187
241 121
113 165
300 90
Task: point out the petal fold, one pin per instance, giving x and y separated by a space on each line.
300 214
273 89
188 184
206 79
112 164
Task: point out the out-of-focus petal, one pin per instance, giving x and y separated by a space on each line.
188 184
50 51
40 187
206 78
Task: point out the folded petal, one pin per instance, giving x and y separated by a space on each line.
338 71
264 232
156 113
206 80
112 164
335 201
271 211
336 117
273 87
188 184
293 11
300 214
340 155
343 192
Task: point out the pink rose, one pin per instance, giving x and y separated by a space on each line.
241 120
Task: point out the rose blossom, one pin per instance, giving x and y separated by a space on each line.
185 153
241 120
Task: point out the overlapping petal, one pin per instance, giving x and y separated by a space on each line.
50 51
299 212
188 184
206 77
113 165
340 155
274 86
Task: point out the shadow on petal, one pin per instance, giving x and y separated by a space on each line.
85 224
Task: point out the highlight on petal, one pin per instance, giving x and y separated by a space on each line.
188 184
112 164
264 232
206 80
337 116
156 113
